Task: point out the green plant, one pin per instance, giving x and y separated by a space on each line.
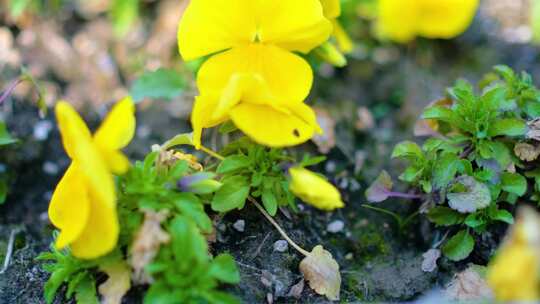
475 163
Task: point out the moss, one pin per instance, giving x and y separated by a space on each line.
370 243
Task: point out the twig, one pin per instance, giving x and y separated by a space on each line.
9 251
260 246
276 225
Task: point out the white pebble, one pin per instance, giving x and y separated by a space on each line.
335 226
281 246
240 225
42 129
50 168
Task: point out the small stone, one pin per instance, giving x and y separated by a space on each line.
335 226
143 131
239 225
349 256
296 290
50 168
281 246
222 227
42 130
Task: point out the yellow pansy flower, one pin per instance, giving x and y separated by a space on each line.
255 80
83 205
332 10
514 274
314 190
402 21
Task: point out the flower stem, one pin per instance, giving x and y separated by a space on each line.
403 195
211 152
279 229
10 89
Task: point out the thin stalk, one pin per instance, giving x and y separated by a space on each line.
9 251
398 218
10 89
211 152
403 195
276 225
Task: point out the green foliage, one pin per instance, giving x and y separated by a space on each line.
468 168
184 272
5 137
162 83
65 268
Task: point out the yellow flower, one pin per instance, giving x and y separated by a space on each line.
332 10
402 21
83 206
314 190
514 274
255 80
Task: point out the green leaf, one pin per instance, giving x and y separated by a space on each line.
224 269
86 291
178 140
514 183
470 196
218 297
445 170
233 163
3 191
503 216
227 127
459 246
269 200
17 7
188 244
508 127
311 161
407 149
123 14
474 220
160 84
191 206
439 113
5 137
232 195
444 216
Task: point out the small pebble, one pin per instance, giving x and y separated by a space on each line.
335 226
281 246
42 130
330 166
349 256
222 227
240 225
50 168
143 131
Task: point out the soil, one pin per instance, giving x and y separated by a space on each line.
378 261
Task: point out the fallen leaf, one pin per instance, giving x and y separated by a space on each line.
322 273
429 264
378 191
146 244
468 285
118 283
476 195
526 152
296 290
326 141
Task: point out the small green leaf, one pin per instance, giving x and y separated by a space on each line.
224 269
86 291
232 195
503 216
459 246
188 244
514 183
162 83
508 127
445 170
444 216
3 191
233 163
5 137
178 140
407 149
191 206
227 127
474 220
123 14
439 113
269 200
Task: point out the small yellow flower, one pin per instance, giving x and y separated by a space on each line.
255 80
514 274
314 190
402 21
83 205
332 10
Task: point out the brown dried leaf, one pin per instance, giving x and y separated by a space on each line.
146 244
296 290
326 141
468 285
322 273
526 152
118 283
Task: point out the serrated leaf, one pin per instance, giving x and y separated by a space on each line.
513 183
162 84
444 216
475 196
232 195
322 273
233 163
508 127
224 269
379 190
459 246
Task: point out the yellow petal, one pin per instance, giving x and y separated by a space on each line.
210 26
72 128
331 8
345 43
268 126
69 207
256 73
314 190
101 232
118 128
116 161
445 18
397 19
201 116
297 25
